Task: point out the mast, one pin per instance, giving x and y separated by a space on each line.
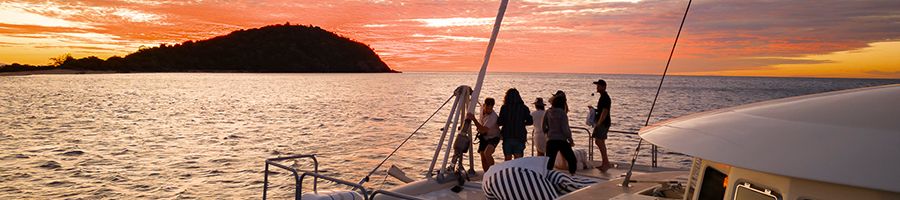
487 57
464 93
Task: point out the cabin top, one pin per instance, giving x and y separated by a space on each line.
849 137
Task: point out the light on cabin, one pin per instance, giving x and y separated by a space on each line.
725 182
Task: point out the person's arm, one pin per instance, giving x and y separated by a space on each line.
528 118
567 131
544 125
605 105
478 126
503 115
602 116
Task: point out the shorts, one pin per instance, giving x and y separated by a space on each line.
485 142
513 146
600 132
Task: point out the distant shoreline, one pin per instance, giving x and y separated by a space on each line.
69 71
54 71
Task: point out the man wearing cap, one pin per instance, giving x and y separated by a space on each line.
601 127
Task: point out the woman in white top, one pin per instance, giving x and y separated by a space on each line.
539 137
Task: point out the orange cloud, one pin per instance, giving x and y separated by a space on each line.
723 37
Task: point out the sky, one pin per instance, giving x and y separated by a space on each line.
811 38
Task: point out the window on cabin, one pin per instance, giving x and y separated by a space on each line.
713 185
747 191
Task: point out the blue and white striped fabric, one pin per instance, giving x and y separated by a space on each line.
565 183
518 183
527 178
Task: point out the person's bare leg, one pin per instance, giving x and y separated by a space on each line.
605 163
484 162
539 153
487 157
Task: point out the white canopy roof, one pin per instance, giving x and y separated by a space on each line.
849 137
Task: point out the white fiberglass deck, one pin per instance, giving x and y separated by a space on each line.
430 189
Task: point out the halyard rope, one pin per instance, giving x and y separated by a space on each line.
646 123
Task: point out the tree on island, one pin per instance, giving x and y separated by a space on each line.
274 48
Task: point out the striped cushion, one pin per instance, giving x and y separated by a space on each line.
527 178
518 183
564 183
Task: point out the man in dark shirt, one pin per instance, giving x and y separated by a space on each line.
601 127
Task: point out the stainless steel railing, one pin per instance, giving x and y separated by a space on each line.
297 179
362 190
590 142
393 194
300 175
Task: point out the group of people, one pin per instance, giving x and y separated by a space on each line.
552 133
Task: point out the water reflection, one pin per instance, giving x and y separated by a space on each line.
206 135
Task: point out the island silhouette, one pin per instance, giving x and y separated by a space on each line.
281 48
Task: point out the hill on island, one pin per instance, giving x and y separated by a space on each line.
274 48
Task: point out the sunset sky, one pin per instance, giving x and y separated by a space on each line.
729 37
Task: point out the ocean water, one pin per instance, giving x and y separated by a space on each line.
206 136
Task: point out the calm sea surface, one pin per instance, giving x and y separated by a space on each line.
206 135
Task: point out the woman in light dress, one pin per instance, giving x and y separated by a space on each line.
539 137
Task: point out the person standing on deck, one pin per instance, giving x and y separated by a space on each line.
601 127
559 134
488 132
514 116
539 137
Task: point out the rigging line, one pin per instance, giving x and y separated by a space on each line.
658 89
366 179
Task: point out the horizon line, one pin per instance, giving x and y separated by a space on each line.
648 74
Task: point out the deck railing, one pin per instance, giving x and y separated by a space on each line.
590 142
393 194
362 190
300 175
297 179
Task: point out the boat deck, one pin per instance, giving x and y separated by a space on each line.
605 187
612 189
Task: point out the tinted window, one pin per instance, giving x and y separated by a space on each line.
713 186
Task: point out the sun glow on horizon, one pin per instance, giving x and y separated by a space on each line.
879 60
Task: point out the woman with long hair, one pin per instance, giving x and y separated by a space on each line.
559 134
514 117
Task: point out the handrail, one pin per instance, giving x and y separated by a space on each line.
362 189
623 132
591 139
532 142
310 156
393 194
298 177
273 161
